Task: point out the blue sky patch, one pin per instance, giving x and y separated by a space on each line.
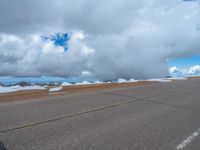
185 62
60 39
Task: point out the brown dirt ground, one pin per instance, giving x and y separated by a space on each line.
44 94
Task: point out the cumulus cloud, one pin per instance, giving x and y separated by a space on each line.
173 70
110 39
191 71
32 56
194 70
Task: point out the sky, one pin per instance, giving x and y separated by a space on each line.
185 62
102 40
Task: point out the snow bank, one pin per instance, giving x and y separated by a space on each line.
159 80
178 78
55 89
122 81
126 81
83 83
98 82
132 80
66 84
20 88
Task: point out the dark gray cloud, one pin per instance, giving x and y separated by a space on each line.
110 38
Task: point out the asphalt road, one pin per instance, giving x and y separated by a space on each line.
158 116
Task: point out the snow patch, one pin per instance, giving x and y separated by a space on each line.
159 80
132 80
20 88
98 82
178 78
55 89
65 84
83 83
122 80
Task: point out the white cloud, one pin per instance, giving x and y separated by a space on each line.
173 70
111 39
49 47
192 71
32 56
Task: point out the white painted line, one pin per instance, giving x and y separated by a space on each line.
188 140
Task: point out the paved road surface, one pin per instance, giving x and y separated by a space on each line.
159 116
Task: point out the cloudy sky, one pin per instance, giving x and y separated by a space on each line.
105 40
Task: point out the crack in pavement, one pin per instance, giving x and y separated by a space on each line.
66 116
133 99
152 101
149 99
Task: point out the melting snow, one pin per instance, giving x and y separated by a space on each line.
159 80
65 84
20 88
98 82
132 80
83 83
181 78
55 89
122 81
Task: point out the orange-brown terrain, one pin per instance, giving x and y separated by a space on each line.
38 94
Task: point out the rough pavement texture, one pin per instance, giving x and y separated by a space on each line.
158 116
